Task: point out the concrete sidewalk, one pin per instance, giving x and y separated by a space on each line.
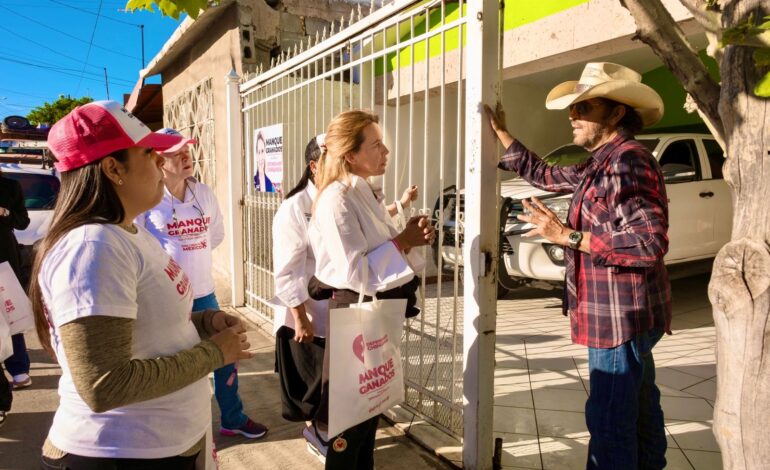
283 448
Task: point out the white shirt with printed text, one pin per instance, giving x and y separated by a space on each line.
101 269
188 231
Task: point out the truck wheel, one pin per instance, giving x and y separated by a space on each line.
505 282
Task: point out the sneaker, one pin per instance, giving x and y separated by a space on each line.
3 414
21 381
251 429
314 444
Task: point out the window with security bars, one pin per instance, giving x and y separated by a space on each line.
192 113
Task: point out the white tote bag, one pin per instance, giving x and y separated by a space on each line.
15 304
365 372
6 346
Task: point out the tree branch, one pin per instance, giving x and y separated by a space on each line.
711 20
657 29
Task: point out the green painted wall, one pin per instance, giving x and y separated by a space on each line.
521 12
517 13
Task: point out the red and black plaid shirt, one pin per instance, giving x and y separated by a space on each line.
621 288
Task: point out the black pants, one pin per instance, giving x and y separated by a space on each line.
76 462
300 369
6 395
359 450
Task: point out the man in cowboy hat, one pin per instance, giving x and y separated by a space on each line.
617 293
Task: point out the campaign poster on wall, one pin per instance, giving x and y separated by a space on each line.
268 158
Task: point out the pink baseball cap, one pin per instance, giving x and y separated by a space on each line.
93 131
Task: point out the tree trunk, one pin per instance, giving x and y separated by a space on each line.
740 284
741 276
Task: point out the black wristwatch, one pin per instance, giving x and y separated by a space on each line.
574 239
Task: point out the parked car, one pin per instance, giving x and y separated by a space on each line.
40 187
700 210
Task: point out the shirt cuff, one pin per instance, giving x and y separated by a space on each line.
513 152
293 297
215 354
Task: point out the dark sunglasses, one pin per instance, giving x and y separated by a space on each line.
583 108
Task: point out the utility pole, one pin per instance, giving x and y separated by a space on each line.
106 83
141 29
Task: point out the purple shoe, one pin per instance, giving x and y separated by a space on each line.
250 429
314 444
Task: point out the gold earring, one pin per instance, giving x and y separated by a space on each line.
120 182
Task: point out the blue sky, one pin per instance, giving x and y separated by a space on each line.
46 50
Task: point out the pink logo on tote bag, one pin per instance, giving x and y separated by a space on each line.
358 347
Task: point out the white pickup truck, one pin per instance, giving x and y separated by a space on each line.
700 210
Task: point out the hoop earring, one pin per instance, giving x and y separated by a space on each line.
120 182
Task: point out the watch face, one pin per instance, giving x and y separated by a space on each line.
575 238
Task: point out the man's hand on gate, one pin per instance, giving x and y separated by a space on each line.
546 223
496 118
497 124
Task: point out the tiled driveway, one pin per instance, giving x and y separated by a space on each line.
541 382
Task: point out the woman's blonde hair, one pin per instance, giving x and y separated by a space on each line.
344 135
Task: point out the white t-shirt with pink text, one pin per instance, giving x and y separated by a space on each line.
101 269
188 231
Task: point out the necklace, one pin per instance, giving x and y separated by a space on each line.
129 228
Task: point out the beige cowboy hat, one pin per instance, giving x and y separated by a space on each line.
614 82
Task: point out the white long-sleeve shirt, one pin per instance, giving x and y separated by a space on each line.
189 230
348 224
294 264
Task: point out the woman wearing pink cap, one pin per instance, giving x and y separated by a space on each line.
189 225
115 309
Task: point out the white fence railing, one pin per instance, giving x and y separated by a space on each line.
407 62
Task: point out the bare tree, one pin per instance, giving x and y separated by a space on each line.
741 276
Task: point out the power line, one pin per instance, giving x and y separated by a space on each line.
88 52
55 51
23 93
97 14
11 55
122 54
61 71
51 66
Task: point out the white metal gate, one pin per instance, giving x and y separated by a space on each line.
405 62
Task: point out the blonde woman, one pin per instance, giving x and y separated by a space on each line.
351 226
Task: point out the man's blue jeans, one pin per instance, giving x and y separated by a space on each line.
623 412
230 405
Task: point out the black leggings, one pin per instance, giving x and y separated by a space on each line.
77 462
6 396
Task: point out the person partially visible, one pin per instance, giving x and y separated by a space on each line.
300 326
617 292
114 309
6 395
13 216
262 182
351 226
189 225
